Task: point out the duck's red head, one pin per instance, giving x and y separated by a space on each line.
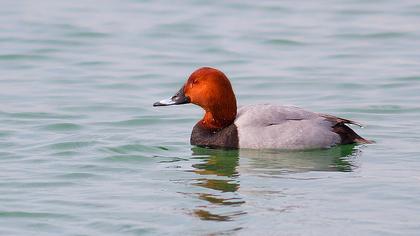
210 89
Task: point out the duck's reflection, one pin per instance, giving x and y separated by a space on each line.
219 173
216 161
277 162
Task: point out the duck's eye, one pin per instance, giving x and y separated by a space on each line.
194 82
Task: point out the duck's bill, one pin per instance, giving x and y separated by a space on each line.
178 99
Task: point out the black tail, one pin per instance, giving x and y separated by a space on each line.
347 135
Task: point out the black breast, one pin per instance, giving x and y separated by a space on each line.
224 138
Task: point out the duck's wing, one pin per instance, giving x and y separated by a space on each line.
283 127
289 127
263 115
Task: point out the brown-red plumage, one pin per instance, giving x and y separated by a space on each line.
210 89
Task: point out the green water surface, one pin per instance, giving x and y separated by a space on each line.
83 152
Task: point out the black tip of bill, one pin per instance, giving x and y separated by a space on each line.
178 99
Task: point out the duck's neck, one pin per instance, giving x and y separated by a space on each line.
219 117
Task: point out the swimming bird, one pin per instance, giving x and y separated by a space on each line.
262 126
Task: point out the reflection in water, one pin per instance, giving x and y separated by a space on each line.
218 172
218 184
218 161
221 166
277 162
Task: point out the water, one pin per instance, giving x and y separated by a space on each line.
83 152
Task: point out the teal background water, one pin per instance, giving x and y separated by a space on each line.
83 152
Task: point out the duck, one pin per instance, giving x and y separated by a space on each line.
260 126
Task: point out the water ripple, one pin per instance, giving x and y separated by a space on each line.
83 151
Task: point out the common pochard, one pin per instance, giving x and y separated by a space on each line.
255 126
